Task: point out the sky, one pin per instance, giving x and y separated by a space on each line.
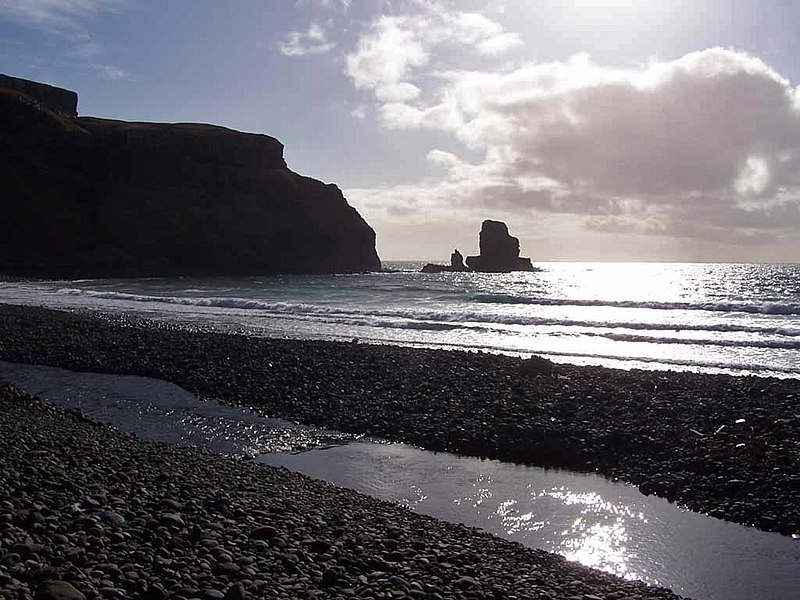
596 129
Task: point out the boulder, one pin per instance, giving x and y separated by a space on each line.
58 590
89 197
499 251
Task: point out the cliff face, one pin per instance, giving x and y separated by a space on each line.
95 197
58 100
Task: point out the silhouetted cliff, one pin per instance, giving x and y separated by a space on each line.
58 100
95 197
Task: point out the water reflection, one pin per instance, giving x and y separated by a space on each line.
597 536
585 518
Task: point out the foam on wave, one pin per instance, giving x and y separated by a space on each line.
768 308
427 319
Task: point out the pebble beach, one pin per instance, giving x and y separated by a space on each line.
723 445
89 512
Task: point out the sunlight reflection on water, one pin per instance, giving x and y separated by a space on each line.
596 537
585 518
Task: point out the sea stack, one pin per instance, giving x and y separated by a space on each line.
89 197
499 251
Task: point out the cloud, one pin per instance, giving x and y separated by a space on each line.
395 47
440 157
500 44
55 15
341 6
360 112
384 57
305 43
703 146
110 72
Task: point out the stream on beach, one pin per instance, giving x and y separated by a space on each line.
584 517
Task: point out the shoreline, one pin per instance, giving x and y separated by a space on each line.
679 435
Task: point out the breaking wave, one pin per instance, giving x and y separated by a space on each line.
766 308
429 319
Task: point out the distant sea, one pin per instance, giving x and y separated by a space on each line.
729 318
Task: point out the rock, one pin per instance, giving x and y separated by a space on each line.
457 261
456 265
536 365
264 532
434 268
499 251
26 549
171 520
230 569
58 590
465 583
319 546
329 577
153 593
112 198
235 592
112 518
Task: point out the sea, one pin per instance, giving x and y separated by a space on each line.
741 319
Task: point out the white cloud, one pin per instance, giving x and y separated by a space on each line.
54 14
110 72
697 146
395 47
471 28
500 44
332 5
385 56
360 112
440 157
304 43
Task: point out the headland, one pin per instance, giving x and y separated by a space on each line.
90 197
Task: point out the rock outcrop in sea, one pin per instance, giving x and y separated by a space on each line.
456 265
84 196
499 253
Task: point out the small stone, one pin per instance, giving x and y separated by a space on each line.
465 583
319 546
329 577
398 582
58 590
112 518
235 592
171 520
90 503
153 593
230 569
264 532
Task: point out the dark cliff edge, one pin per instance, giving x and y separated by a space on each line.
89 197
